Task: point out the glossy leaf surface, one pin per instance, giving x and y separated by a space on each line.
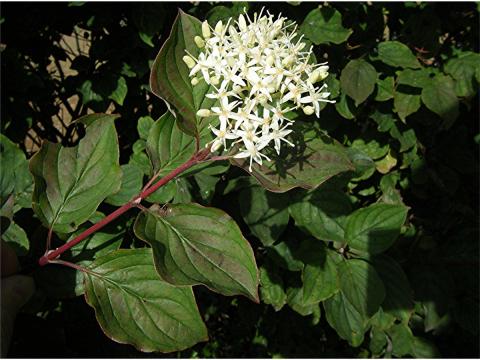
133 305
71 182
193 245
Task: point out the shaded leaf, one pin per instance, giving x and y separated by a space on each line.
132 181
399 295
324 25
322 213
144 125
120 93
349 324
319 276
375 228
16 237
193 245
358 80
463 70
362 286
265 213
314 159
439 96
271 288
15 179
385 89
405 104
414 78
396 54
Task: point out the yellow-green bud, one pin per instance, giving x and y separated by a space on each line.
219 27
270 60
189 61
199 41
288 60
206 30
214 80
308 110
242 24
203 113
194 81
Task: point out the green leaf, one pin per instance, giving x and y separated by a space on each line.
60 282
322 213
295 301
319 276
385 89
16 237
132 181
144 125
134 306
271 288
396 54
165 193
463 70
358 80
314 159
100 243
349 324
88 94
265 213
414 78
439 96
423 348
169 78
206 184
362 286
372 148
375 228
193 245
345 107
284 256
15 179
402 339
384 120
405 104
70 183
167 146
324 25
378 341
120 93
399 295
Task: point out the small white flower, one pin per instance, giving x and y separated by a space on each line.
260 71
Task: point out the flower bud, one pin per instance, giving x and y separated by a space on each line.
322 72
203 113
206 30
189 61
308 110
242 23
288 60
270 60
214 80
194 81
199 41
219 27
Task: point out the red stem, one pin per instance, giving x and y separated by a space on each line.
196 158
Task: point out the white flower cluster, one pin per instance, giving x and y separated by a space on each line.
260 72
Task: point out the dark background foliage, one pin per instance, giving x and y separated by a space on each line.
63 60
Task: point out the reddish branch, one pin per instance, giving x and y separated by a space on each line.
195 159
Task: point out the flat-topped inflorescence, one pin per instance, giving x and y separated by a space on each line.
260 71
